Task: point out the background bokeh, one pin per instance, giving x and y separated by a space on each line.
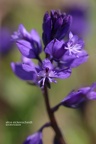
22 102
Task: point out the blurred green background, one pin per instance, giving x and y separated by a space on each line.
22 102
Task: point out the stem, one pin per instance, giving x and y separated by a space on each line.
55 108
44 126
39 59
54 124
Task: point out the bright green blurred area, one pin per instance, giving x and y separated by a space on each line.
22 102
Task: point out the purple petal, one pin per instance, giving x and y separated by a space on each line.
62 74
26 60
23 32
23 71
93 86
29 62
63 30
74 99
35 36
26 49
74 39
55 25
46 28
85 90
58 23
92 95
47 64
28 68
89 92
70 35
55 49
34 139
76 60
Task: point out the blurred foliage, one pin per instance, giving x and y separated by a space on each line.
22 102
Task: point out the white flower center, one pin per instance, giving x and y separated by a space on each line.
73 49
46 74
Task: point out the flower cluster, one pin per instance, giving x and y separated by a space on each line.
61 53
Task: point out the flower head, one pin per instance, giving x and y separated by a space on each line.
74 45
36 138
29 44
48 73
21 33
55 25
75 53
68 53
42 74
60 55
76 98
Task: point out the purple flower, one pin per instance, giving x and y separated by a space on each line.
61 55
21 33
36 138
75 54
25 69
70 53
55 25
76 98
5 42
44 73
29 44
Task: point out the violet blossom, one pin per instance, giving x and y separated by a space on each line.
41 74
29 44
36 138
75 54
70 53
76 98
61 55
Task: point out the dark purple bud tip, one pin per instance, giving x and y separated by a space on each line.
55 25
